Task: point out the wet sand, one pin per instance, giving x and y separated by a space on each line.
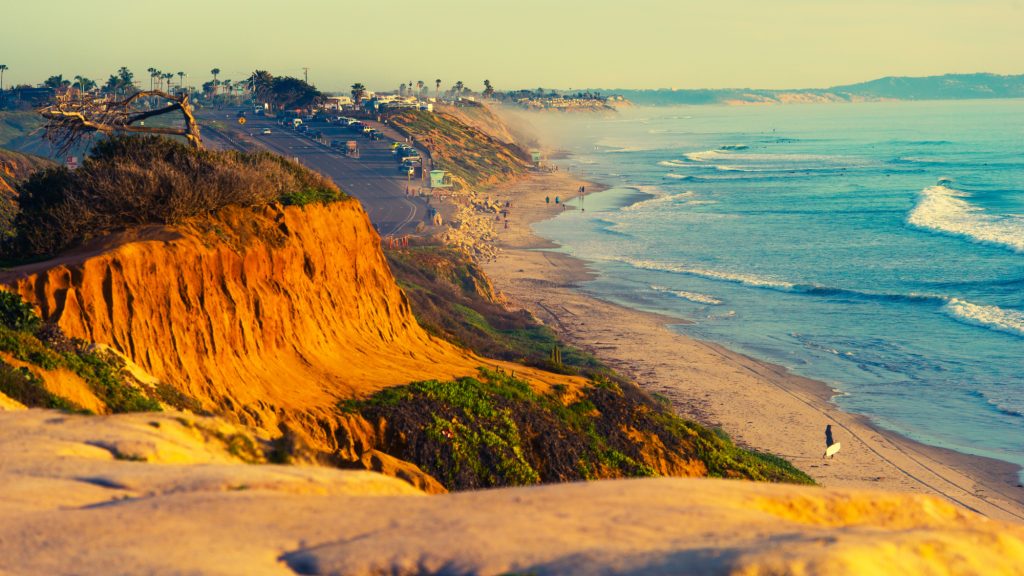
761 405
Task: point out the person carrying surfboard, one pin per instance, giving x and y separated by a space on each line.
831 446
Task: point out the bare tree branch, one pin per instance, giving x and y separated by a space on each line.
71 120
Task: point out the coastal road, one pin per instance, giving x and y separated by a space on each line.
372 178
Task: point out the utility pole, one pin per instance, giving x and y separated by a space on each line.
305 74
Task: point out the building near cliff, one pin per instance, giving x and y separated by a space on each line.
440 179
337 102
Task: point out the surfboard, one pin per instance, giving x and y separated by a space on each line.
831 450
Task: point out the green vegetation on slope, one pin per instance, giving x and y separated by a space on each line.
132 181
495 430
14 167
470 155
25 337
453 299
15 125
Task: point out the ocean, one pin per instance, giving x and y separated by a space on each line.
877 247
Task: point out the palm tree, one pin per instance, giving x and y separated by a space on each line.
152 76
419 88
215 72
168 77
263 86
181 80
488 89
459 87
3 68
437 93
227 86
125 79
54 81
358 93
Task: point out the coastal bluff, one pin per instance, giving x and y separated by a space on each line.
281 309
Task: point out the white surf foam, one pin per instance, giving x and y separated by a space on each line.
943 209
993 317
745 279
672 163
658 200
694 297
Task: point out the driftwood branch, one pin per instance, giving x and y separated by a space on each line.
71 120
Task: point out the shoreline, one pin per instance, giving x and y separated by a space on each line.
761 405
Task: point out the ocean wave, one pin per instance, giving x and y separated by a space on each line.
998 405
658 200
919 142
943 209
673 163
985 316
694 297
720 154
746 279
769 283
675 176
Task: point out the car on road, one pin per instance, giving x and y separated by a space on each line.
302 129
266 131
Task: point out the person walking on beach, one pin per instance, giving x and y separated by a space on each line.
547 199
831 446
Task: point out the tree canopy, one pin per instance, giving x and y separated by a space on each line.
284 92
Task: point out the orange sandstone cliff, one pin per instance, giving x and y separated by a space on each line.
269 317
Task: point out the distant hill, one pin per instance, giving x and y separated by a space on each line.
946 87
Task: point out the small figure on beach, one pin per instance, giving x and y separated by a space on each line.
547 199
557 200
831 446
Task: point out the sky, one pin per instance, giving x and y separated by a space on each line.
564 44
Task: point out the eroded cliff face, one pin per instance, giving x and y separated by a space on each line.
259 315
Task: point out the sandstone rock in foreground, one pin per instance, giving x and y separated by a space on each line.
70 505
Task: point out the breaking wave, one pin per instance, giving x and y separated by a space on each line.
694 297
945 210
992 317
768 283
658 200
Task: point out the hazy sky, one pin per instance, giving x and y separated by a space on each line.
517 43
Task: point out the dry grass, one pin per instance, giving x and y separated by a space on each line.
133 181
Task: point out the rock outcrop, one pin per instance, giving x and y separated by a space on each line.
88 495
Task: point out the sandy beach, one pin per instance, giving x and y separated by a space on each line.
762 406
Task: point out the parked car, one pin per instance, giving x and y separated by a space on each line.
266 131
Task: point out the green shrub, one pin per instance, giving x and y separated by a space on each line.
48 348
495 430
16 314
22 385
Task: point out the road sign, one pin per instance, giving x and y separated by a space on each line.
241 120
